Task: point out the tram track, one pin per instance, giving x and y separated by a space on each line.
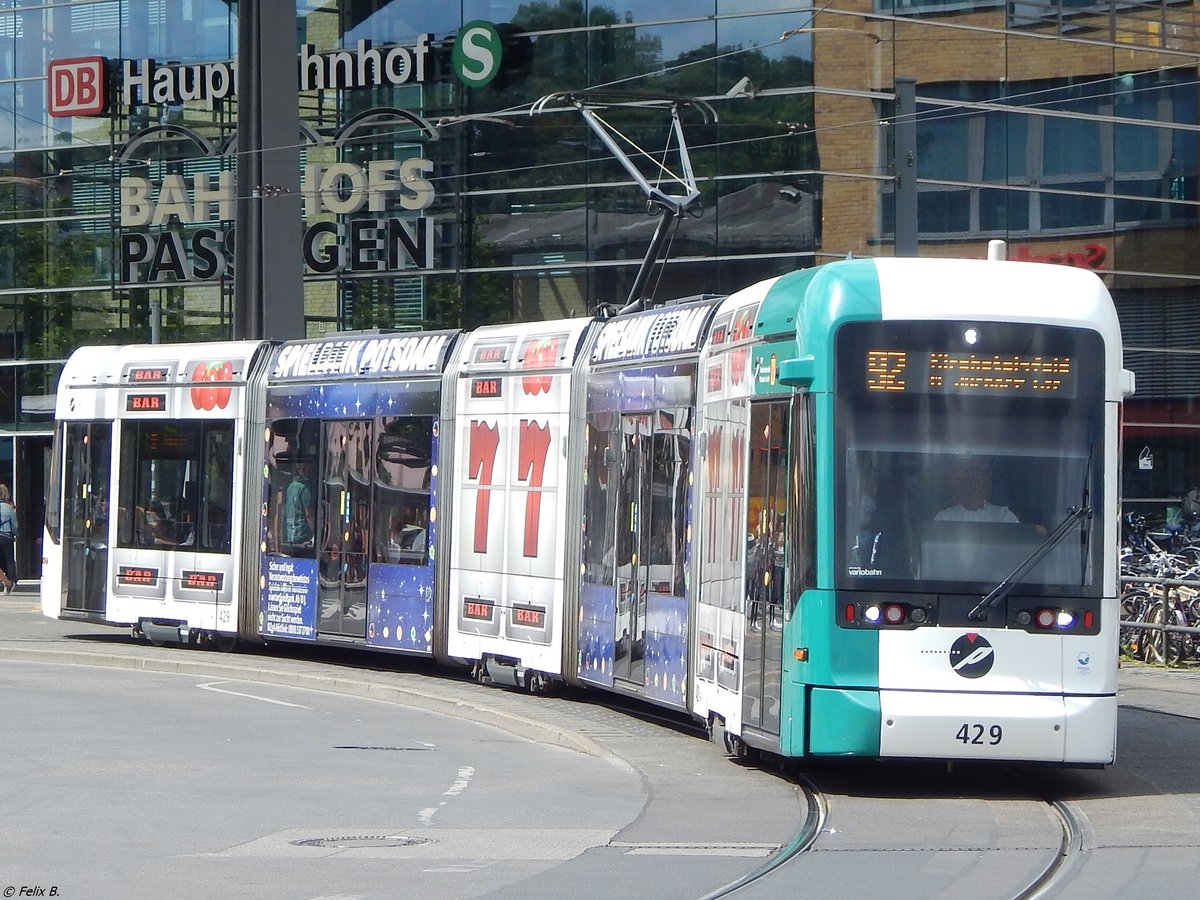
1051 863
1071 853
806 836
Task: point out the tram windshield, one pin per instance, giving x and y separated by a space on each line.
175 485
961 448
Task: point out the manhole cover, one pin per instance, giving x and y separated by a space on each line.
350 842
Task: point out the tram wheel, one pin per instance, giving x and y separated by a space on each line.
225 643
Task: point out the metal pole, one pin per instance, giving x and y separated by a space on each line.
268 300
156 320
1166 620
905 164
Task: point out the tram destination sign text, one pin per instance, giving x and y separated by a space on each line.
894 371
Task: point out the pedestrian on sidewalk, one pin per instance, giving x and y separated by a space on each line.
8 540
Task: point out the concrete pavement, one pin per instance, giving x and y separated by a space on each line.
685 775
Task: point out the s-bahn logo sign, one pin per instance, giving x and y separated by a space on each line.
83 87
971 656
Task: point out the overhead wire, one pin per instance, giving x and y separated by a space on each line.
998 105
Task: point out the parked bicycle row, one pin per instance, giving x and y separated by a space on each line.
1160 600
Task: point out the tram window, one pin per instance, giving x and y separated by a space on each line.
968 516
87 468
599 497
291 477
174 486
768 490
403 473
54 496
635 430
802 520
213 517
668 500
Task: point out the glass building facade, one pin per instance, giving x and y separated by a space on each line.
1070 130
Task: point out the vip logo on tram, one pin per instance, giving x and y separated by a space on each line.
971 656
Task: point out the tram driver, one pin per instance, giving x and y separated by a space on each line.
970 480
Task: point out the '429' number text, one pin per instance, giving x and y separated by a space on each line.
980 734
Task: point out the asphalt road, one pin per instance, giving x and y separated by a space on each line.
132 770
141 771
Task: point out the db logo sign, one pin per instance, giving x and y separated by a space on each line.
76 87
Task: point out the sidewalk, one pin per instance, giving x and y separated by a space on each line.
1172 691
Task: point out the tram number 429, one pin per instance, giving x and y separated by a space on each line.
980 734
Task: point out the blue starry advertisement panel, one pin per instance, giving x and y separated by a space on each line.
641 399
363 412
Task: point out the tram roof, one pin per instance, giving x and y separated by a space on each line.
107 365
816 301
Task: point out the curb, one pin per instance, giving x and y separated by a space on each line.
426 700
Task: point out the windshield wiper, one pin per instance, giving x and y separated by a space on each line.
1004 588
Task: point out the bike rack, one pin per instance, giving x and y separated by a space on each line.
1168 585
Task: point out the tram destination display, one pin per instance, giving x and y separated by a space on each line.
913 371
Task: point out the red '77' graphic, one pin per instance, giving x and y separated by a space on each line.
533 449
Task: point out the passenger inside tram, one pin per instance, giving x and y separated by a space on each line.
299 508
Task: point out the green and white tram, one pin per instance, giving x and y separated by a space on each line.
868 509
928 451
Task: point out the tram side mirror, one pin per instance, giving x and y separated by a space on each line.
1128 383
797 372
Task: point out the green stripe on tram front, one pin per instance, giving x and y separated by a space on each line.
829 701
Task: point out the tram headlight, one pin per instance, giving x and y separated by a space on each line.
871 613
1024 618
1065 619
919 615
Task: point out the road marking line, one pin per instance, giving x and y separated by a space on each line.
426 815
465 773
464 779
216 690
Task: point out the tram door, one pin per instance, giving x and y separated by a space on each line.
768 492
633 541
343 539
86 469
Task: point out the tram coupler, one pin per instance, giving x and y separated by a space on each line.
720 737
164 633
506 672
